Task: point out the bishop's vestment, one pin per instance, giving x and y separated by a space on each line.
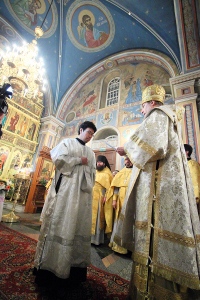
159 221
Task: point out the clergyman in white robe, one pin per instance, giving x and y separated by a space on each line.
64 241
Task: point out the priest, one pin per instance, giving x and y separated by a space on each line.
103 180
115 200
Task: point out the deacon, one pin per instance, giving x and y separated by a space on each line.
159 221
63 249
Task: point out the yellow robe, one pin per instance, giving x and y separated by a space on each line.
161 227
48 185
121 181
102 181
195 174
50 180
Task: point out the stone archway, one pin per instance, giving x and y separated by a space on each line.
104 142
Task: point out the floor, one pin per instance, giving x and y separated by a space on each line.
101 256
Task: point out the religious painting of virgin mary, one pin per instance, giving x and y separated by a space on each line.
90 25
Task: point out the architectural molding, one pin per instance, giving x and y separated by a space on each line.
186 98
132 56
185 77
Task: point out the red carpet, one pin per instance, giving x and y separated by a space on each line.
17 282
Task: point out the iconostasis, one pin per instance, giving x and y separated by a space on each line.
20 131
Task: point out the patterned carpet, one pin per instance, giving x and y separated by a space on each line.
17 282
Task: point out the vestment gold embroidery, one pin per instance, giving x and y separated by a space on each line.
177 238
143 145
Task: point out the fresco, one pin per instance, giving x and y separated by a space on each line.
87 100
89 104
107 118
89 25
134 92
72 127
130 115
31 13
136 77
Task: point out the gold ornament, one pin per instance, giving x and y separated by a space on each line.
153 92
180 111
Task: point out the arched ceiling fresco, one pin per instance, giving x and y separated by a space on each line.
69 48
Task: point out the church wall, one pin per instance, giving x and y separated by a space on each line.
186 94
123 116
86 99
188 20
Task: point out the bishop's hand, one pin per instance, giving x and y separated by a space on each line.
120 151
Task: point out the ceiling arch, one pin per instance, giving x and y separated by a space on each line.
134 56
105 132
149 28
136 25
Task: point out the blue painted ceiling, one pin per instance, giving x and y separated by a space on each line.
139 24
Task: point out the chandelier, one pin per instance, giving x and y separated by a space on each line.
21 63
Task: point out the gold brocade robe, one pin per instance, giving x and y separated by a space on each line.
121 180
50 180
102 181
161 229
46 195
195 174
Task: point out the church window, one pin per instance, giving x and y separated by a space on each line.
112 91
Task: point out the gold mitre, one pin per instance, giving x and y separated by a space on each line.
153 92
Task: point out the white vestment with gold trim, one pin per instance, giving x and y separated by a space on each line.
159 220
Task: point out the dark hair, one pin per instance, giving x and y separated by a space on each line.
189 149
85 17
87 124
104 160
1 133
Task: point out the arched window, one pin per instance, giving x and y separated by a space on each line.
112 91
